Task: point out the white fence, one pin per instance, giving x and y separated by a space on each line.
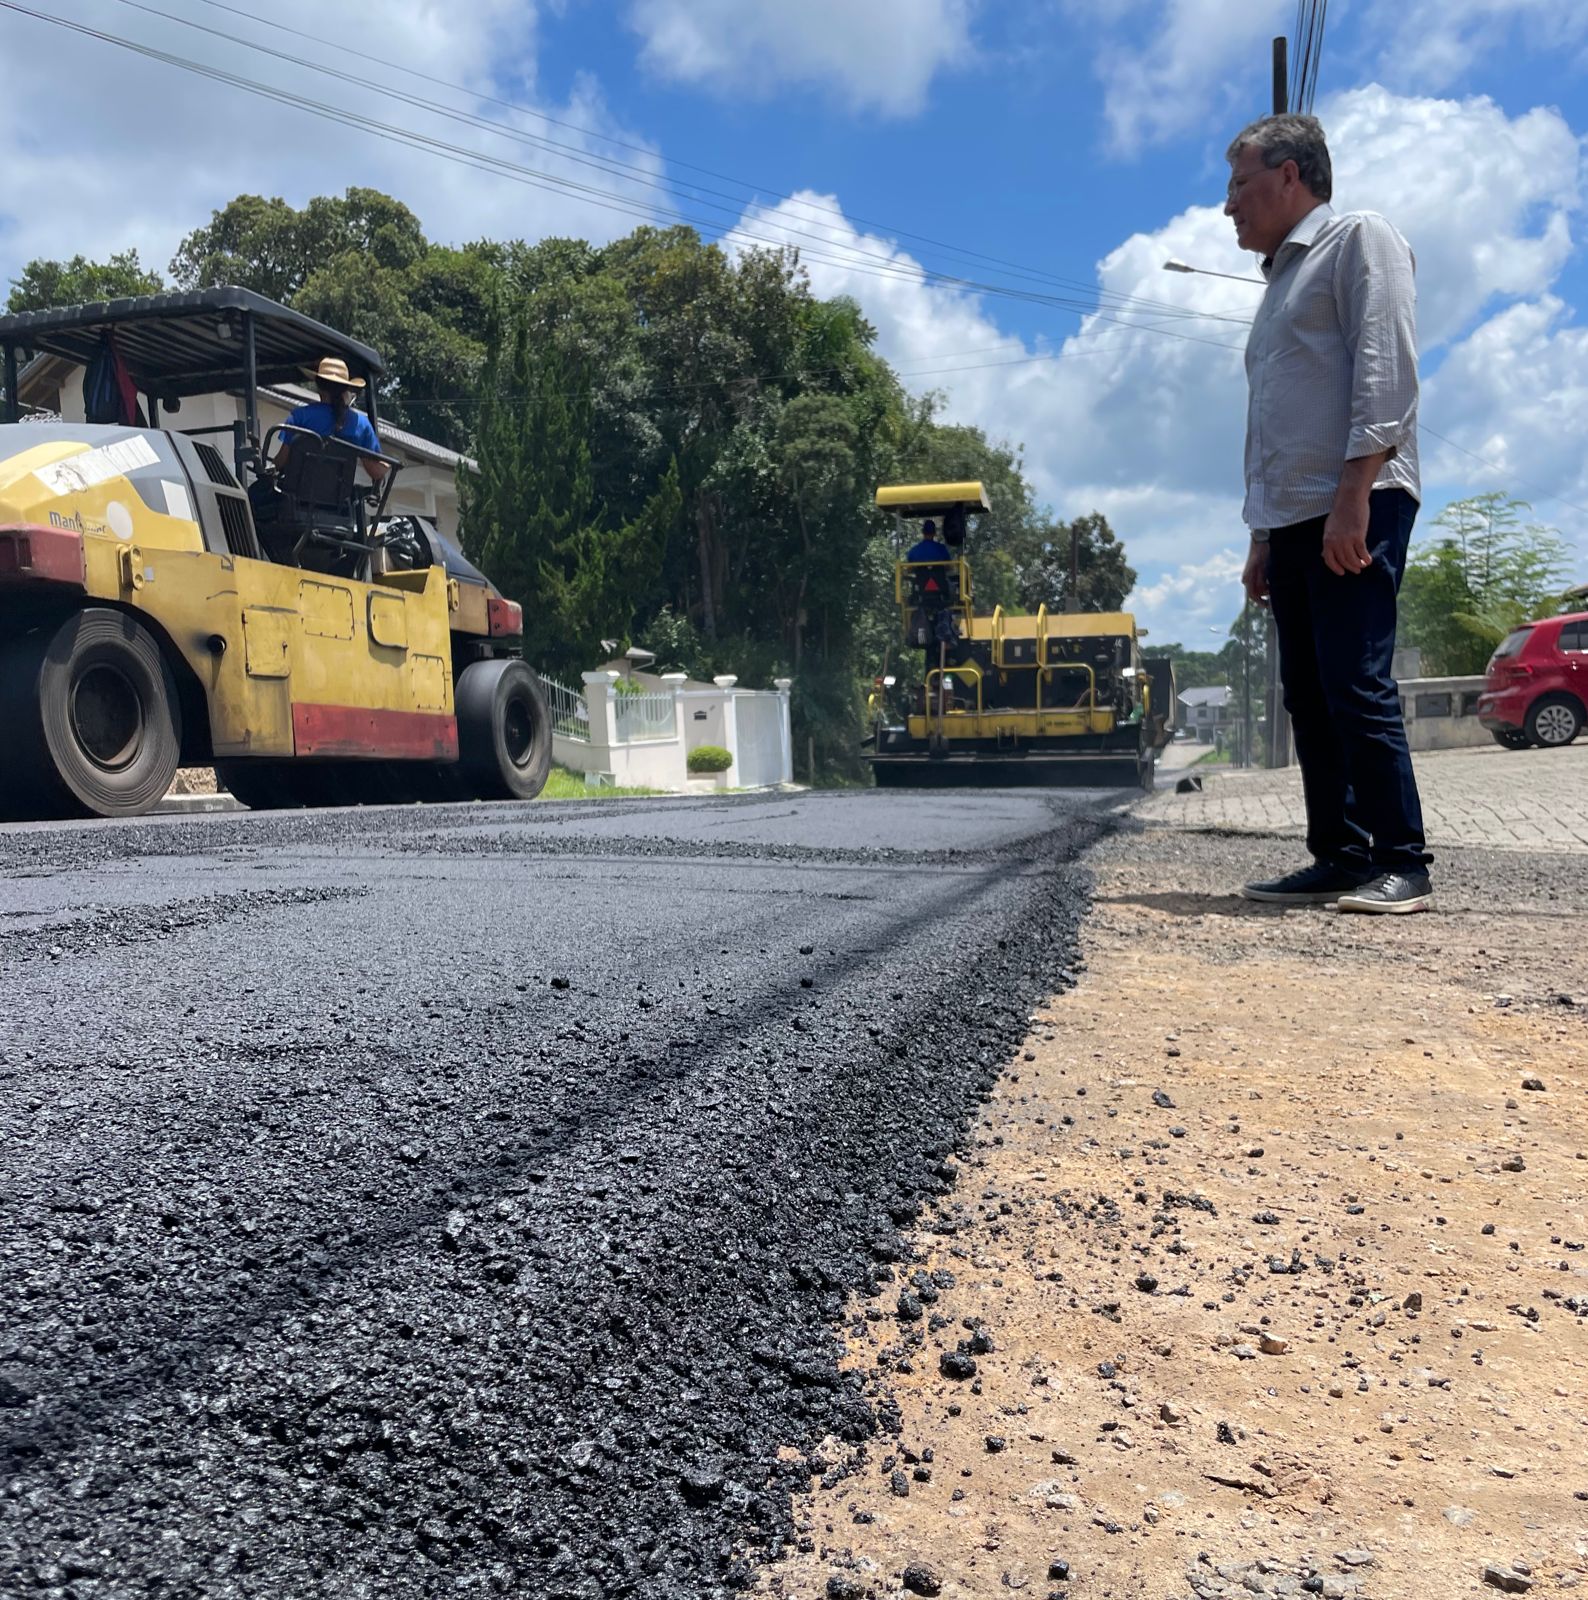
643 739
646 716
570 719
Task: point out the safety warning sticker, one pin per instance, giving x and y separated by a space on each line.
77 473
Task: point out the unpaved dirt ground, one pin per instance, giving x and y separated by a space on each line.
1269 1258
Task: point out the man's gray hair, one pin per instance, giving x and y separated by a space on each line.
1288 136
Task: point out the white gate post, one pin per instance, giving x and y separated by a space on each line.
730 721
677 680
600 700
785 728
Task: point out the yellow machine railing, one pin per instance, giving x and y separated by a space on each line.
1047 672
969 671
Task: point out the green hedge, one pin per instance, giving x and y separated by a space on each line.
709 758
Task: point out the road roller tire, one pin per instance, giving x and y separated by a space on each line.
504 730
95 723
260 785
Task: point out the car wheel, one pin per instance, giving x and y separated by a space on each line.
1554 721
1511 738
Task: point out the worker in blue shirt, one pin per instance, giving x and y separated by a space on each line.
334 416
929 547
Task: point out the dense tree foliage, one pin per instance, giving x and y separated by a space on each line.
360 263
1103 576
79 281
1484 571
676 445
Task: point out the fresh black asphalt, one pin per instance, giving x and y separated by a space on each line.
466 1201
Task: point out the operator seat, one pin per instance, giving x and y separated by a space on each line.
312 514
934 584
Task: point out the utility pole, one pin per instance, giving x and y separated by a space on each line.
1246 684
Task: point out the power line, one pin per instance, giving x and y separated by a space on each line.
1521 483
1105 344
1308 52
1311 16
1096 298
518 107
860 262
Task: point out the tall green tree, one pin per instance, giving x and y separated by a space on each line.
360 262
45 284
531 516
1103 576
1485 570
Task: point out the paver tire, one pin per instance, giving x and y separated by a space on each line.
504 730
97 726
1554 720
1511 739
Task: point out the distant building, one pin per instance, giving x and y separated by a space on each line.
1207 710
427 484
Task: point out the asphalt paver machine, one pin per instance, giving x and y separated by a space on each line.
1004 698
169 596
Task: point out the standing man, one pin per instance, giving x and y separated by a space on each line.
1331 494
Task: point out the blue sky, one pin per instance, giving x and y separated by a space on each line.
1077 140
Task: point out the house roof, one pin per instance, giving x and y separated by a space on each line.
1214 695
44 375
188 343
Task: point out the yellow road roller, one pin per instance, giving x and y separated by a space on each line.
212 596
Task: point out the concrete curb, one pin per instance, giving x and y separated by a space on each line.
196 804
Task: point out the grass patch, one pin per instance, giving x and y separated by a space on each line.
1214 758
566 785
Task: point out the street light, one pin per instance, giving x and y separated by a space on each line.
1174 264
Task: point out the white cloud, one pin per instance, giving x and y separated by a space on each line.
146 151
1435 42
878 54
1192 598
1486 200
1147 425
1184 76
1515 393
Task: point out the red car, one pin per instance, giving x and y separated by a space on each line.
1536 691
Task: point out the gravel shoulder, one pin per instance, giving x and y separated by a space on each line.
1268 1256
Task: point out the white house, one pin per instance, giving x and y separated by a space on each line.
1206 710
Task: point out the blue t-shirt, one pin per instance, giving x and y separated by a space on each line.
929 550
356 428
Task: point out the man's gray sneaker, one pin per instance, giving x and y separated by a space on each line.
1392 893
1317 885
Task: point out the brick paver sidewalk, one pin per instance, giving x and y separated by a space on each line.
1517 799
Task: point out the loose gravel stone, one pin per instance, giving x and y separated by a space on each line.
919 1578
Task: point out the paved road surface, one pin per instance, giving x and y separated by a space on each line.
455 1201
1502 799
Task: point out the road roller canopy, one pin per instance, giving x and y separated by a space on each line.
174 345
933 499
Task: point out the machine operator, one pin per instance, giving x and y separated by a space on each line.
334 416
928 547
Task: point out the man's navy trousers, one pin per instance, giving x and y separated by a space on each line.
1336 643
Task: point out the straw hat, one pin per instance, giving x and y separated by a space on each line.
333 370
